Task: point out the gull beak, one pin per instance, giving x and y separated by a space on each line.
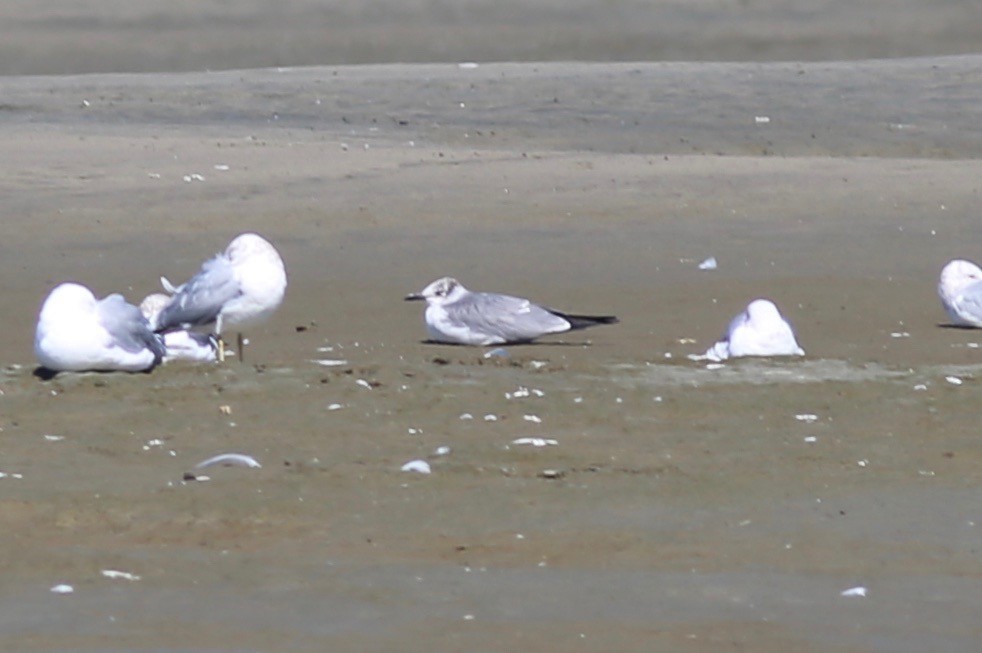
414 297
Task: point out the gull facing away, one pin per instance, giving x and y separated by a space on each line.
458 316
243 285
760 330
960 289
180 344
76 333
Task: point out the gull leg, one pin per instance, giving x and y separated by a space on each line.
218 345
240 343
218 335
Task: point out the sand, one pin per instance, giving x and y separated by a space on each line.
682 508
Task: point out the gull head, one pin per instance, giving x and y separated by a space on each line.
763 311
956 276
152 305
261 276
441 291
67 301
250 247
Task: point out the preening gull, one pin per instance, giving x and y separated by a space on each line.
960 289
75 332
458 316
181 344
243 285
760 330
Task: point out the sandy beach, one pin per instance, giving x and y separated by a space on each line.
682 507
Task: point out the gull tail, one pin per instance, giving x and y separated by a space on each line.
585 321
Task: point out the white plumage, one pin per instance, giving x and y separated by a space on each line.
75 332
960 290
760 330
241 286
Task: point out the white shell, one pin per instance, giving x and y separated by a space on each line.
536 442
329 362
119 575
418 466
236 459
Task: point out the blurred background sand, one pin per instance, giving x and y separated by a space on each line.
54 37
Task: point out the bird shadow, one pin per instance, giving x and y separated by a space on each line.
959 327
43 373
532 343
46 374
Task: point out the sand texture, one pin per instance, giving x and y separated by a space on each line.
682 507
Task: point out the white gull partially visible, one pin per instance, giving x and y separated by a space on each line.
760 330
181 344
960 290
75 332
241 286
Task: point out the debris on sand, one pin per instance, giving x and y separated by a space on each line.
536 442
115 574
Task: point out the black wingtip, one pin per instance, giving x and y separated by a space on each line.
586 321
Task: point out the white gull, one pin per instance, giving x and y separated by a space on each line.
960 290
75 332
760 330
241 286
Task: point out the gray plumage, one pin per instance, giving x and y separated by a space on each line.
200 301
127 326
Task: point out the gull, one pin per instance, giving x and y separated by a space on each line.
181 344
760 330
458 316
75 333
960 289
243 285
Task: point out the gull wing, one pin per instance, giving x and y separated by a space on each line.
513 319
127 327
968 303
200 300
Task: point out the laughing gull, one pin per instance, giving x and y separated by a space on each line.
458 316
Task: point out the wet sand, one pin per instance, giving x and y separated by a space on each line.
682 507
